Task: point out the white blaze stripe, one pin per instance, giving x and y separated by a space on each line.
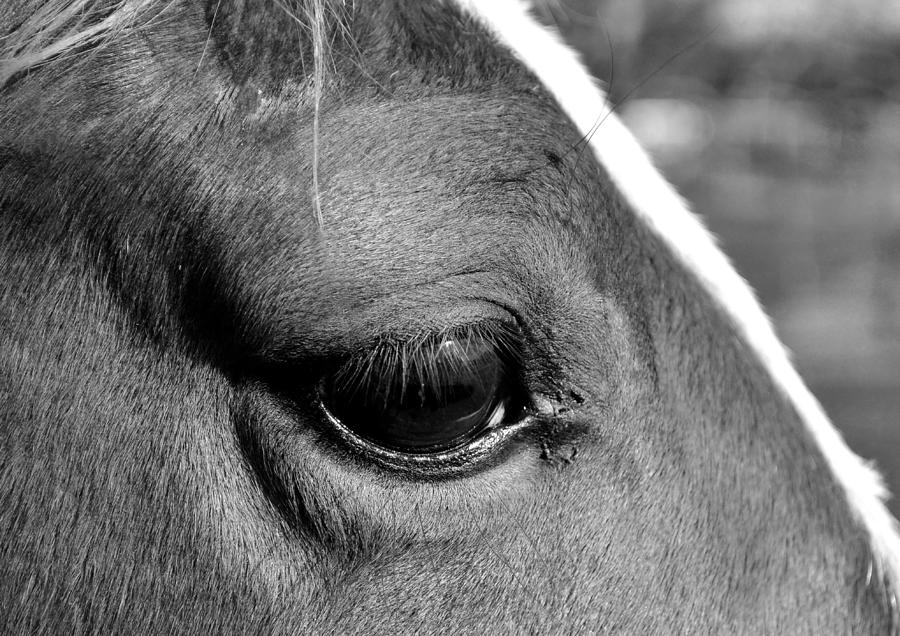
656 202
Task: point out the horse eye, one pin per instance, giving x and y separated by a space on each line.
440 396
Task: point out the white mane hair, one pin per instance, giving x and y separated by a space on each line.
662 209
58 28
55 29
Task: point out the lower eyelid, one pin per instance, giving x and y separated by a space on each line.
455 462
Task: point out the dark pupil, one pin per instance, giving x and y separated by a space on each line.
446 398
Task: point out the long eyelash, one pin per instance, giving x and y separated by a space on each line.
391 359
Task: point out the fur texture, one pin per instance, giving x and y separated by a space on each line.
169 305
665 213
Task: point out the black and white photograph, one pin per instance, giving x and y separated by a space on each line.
450 317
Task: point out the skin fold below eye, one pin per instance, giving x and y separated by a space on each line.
430 395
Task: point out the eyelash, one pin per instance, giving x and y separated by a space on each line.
391 357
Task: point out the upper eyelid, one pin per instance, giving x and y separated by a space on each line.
494 330
506 339
335 337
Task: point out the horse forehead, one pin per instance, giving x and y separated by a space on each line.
423 190
429 183
480 155
378 42
422 135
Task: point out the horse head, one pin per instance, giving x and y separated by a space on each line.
328 316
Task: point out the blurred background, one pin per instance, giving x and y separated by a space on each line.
780 122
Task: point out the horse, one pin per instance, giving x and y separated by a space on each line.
372 317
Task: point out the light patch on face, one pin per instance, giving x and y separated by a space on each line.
662 209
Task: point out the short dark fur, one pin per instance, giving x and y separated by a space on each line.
158 247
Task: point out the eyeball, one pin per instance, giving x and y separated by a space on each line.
437 395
